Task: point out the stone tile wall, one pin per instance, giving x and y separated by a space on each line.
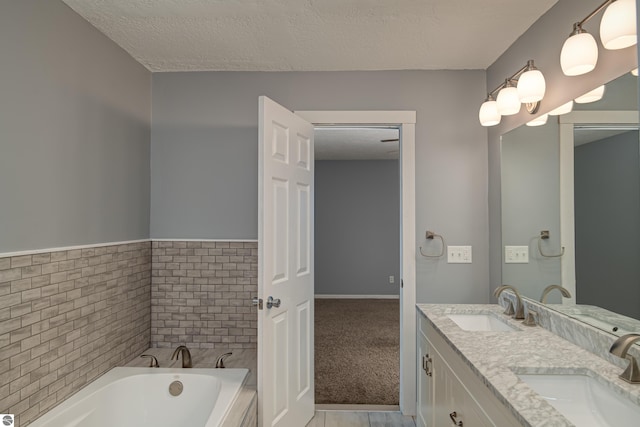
66 317
201 294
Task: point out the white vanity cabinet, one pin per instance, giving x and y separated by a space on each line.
449 393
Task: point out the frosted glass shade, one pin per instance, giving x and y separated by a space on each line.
579 54
635 72
618 25
591 96
489 115
508 101
563 109
531 86
539 121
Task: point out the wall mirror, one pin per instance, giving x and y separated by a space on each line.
577 178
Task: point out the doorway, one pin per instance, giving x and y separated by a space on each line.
357 263
405 122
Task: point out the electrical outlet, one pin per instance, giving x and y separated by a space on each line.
459 254
392 279
516 254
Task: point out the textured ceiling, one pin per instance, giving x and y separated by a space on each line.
312 35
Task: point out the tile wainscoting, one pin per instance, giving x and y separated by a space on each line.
201 294
66 317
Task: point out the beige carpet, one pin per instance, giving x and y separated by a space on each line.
357 351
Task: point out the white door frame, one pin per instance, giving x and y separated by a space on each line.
406 122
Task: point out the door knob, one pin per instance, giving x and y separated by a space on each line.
271 302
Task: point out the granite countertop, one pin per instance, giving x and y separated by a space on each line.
497 357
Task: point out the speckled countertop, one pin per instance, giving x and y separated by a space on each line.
497 357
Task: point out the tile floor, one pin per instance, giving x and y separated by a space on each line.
360 419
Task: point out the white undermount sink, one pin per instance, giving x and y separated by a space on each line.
583 400
480 322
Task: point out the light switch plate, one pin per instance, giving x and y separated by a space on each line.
459 254
516 254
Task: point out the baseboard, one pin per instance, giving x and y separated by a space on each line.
357 408
329 296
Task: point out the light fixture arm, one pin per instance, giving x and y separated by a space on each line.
591 15
514 77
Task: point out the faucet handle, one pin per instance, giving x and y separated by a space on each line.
220 360
532 318
153 362
508 310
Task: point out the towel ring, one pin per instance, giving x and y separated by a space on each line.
544 235
430 235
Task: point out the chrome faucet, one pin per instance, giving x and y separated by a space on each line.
619 348
220 360
186 356
153 362
565 293
519 312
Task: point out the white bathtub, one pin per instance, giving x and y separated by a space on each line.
139 397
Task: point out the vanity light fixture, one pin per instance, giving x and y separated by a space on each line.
591 96
579 53
618 25
539 121
635 72
489 115
508 99
563 109
526 86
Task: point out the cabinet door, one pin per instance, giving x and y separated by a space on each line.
454 404
425 383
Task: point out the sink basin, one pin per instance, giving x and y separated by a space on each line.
480 322
583 400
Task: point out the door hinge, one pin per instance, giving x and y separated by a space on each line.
401 283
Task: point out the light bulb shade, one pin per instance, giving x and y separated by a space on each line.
508 101
563 109
591 96
618 25
579 54
635 72
539 121
531 86
489 115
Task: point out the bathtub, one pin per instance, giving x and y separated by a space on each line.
139 397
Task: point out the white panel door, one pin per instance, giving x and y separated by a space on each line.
285 268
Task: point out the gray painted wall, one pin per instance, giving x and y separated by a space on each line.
543 43
204 156
607 200
357 227
75 115
531 203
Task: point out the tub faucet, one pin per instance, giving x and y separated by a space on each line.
565 293
153 362
220 360
619 348
186 356
519 314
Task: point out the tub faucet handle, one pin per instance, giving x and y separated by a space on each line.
183 351
153 362
220 360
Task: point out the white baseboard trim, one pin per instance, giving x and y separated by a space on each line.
70 248
206 240
328 296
